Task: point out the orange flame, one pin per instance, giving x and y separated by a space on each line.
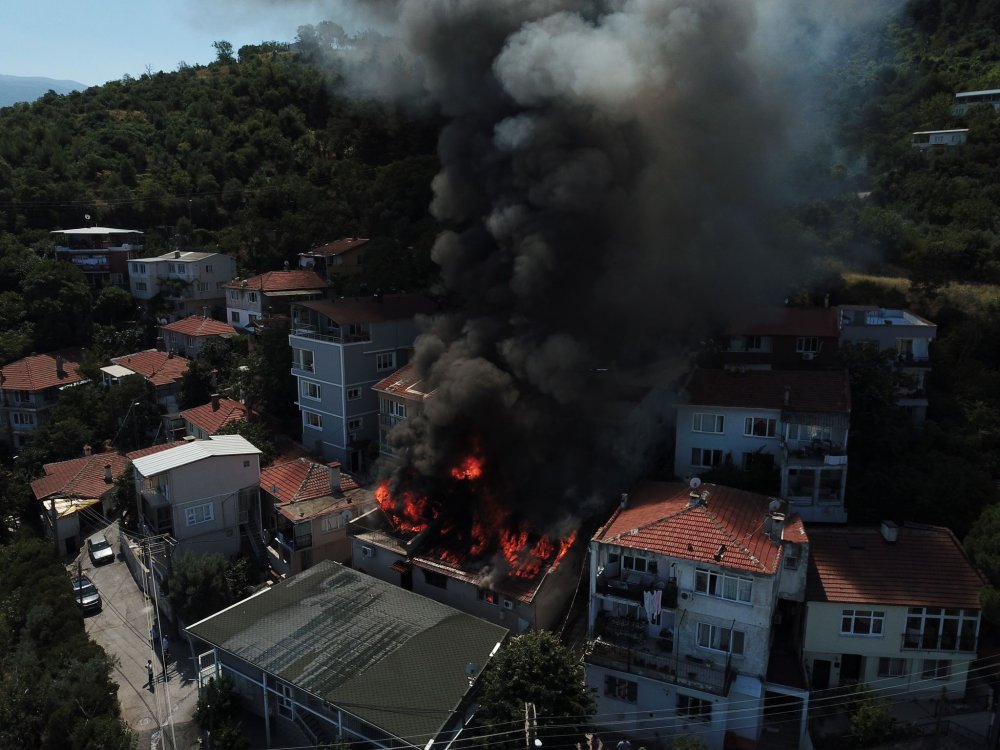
470 468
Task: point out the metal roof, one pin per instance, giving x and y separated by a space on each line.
95 230
389 656
117 371
196 450
976 93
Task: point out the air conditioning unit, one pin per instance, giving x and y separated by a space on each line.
367 551
808 356
685 596
508 604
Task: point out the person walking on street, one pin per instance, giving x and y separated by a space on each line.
166 649
154 635
150 675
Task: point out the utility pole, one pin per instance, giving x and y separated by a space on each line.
79 574
531 740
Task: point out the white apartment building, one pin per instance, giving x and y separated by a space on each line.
191 281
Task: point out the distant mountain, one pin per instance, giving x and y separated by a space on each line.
15 89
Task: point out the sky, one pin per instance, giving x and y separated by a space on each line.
94 43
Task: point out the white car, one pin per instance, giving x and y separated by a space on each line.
100 549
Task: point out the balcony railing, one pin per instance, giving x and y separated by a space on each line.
939 642
633 590
691 672
332 335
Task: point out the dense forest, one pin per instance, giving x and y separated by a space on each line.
261 155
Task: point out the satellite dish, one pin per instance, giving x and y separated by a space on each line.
87 217
694 483
774 506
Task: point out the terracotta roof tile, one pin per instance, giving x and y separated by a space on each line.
153 449
339 246
821 322
405 382
39 371
661 518
198 325
926 566
212 418
281 281
159 368
79 477
301 479
821 391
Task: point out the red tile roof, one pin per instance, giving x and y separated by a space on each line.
153 449
340 246
211 417
925 567
38 372
281 281
79 477
159 368
661 518
301 479
369 310
821 322
405 382
197 325
821 391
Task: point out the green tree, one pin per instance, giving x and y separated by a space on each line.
114 305
536 668
216 712
688 742
197 384
200 585
871 723
58 304
223 51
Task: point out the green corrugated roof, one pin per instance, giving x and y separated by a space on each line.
394 658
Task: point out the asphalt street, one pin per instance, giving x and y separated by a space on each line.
161 717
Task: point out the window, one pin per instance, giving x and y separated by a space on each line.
485 595
199 514
252 296
355 423
722 639
621 689
313 420
890 667
861 622
311 390
638 564
706 457
938 629
202 286
760 426
234 295
723 585
353 394
394 409
302 359
791 561
208 268
22 397
694 708
140 286
234 317
709 423
385 361
807 345
935 669
808 433
23 418
331 522
755 343
437 580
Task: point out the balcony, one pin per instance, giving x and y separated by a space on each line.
930 641
329 334
635 585
813 454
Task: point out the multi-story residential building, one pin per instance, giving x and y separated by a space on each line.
340 349
187 335
934 139
782 338
345 256
253 299
75 495
102 253
534 596
401 396
161 370
207 419
199 493
966 100
347 658
310 506
688 584
795 420
906 335
29 390
896 608
189 281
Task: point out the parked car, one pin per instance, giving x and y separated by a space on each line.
87 595
100 549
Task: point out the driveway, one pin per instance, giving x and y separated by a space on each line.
162 717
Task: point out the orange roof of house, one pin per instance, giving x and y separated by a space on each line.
925 567
39 371
79 477
340 246
281 281
821 322
301 479
153 449
808 391
159 368
211 417
198 325
405 382
660 517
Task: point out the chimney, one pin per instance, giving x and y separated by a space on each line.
890 531
774 526
177 253
286 265
788 394
60 371
623 501
204 312
334 471
107 474
87 449
215 402
161 345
